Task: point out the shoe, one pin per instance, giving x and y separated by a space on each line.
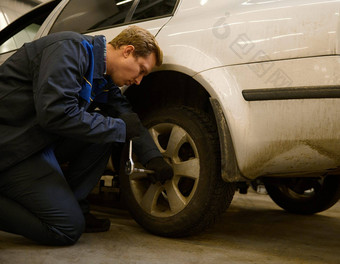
94 225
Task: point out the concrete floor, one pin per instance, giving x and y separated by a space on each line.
253 230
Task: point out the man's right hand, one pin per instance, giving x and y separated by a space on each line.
133 125
162 170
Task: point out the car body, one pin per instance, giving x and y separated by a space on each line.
264 74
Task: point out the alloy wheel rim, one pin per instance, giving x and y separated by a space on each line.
180 151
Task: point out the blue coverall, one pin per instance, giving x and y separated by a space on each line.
48 90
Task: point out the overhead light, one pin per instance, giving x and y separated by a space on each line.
124 2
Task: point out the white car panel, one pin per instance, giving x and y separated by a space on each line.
276 137
288 40
235 32
274 124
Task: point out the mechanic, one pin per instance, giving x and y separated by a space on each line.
50 93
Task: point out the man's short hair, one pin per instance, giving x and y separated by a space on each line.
143 41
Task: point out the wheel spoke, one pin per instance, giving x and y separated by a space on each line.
177 138
154 134
189 168
149 199
176 200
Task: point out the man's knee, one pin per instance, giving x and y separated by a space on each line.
69 233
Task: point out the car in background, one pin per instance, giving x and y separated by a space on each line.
249 92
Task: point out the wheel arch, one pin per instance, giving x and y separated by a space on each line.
168 88
172 88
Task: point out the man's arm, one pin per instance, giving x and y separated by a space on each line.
143 146
56 96
118 105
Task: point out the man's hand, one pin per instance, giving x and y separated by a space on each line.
133 125
162 169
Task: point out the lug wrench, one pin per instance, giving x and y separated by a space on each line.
130 166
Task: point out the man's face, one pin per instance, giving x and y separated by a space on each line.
130 69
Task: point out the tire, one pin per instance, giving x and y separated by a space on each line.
196 195
304 195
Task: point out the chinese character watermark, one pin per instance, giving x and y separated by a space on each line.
243 47
221 29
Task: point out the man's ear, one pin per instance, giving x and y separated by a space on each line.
128 49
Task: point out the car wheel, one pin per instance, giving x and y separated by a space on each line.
196 195
304 195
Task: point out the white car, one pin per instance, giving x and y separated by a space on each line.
249 91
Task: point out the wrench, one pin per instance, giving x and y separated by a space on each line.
130 166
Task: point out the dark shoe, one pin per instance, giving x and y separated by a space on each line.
93 224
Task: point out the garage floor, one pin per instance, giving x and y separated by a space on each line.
253 230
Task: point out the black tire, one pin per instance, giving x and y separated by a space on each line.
196 195
304 195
